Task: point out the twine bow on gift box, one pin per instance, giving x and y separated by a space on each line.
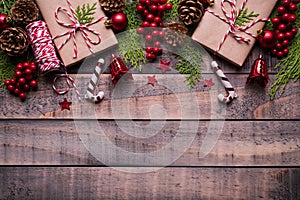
76 26
231 18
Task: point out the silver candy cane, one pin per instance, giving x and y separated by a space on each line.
92 84
227 85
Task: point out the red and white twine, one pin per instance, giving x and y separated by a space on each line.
75 26
230 20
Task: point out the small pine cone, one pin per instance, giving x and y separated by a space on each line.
24 11
113 6
190 11
14 41
173 34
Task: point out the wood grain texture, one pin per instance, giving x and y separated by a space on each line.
171 97
240 143
166 183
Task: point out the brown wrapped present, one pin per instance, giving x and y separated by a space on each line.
90 37
220 31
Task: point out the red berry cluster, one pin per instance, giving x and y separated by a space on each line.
152 12
284 27
24 79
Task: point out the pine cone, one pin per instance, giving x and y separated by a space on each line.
112 6
14 41
190 11
173 34
24 11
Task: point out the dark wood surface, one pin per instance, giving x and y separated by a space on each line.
256 155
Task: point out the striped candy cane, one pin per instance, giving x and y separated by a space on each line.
227 85
92 84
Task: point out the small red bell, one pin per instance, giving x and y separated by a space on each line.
118 69
259 72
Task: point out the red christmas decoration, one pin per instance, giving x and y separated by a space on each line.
267 39
152 80
118 69
164 66
4 21
259 72
208 83
118 22
65 104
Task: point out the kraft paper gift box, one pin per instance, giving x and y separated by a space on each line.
211 30
48 9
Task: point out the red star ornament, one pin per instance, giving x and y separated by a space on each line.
164 66
65 104
208 83
152 80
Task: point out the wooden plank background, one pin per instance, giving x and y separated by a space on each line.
255 157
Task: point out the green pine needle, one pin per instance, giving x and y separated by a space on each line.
85 13
172 15
5 6
244 18
130 11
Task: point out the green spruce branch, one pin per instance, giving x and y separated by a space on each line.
172 15
132 15
6 5
244 17
289 68
85 13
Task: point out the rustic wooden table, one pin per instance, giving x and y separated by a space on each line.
256 155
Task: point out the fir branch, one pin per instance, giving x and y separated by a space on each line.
85 13
6 5
130 11
172 15
289 68
244 18
130 49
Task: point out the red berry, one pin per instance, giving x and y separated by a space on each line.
16 91
161 24
155 33
28 77
168 6
163 1
10 88
286 3
157 50
285 43
153 8
285 51
277 31
145 24
19 67
292 18
12 81
22 81
149 49
278 46
140 30
280 36
157 19
148 38
142 1
153 24
292 7
145 13
150 17
161 8
281 10
155 1
282 28
140 7
294 31
28 71
26 64
285 17
279 54
33 84
150 56
22 95
157 44
7 82
26 87
18 74
274 52
148 2
276 21
161 34
33 66
289 35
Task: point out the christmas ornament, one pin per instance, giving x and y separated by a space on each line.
65 104
118 69
208 83
267 39
173 34
259 72
4 21
190 11
92 85
112 6
227 85
43 47
164 66
24 11
14 41
24 79
118 22
152 80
